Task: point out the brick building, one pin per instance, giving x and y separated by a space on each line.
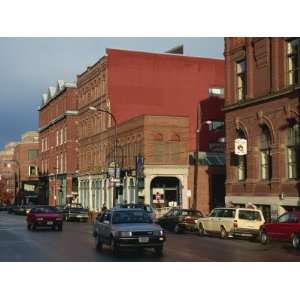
58 161
262 107
26 159
8 169
131 84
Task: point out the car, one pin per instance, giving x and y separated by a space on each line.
12 209
147 207
123 228
286 228
232 222
179 220
76 212
44 216
20 210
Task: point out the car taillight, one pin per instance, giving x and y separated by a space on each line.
188 219
235 224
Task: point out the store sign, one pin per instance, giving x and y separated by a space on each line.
240 147
29 187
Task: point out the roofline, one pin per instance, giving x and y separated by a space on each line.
166 54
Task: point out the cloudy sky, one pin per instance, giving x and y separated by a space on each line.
29 65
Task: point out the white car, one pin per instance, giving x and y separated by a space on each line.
231 222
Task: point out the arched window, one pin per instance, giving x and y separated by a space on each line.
293 151
242 160
265 154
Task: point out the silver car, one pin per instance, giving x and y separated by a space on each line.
128 228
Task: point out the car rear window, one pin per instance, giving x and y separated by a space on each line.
249 215
44 210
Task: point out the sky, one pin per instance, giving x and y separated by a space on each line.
28 66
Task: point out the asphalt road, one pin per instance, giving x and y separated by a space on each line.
76 243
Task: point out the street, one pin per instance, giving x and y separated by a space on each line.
76 244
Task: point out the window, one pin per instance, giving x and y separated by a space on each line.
61 163
65 134
216 126
228 213
265 154
32 171
43 140
241 79
241 160
293 49
249 215
293 151
61 136
57 138
32 154
283 218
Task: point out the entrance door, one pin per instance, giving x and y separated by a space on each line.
171 191
217 191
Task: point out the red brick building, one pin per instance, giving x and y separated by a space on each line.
262 107
26 159
58 160
130 84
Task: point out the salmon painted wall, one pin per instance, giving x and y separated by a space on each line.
160 84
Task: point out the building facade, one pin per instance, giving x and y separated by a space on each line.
27 177
58 162
129 84
8 169
262 107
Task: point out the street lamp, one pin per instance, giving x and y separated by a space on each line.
207 122
94 109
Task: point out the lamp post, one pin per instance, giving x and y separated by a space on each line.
94 109
208 122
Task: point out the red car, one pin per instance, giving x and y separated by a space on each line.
286 228
45 216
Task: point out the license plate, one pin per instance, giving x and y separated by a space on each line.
143 239
49 223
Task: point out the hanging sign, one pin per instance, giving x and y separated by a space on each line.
240 147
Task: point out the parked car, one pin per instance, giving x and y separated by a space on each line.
76 212
128 228
232 222
20 210
179 220
286 228
146 207
11 209
44 216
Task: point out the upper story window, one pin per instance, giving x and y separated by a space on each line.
241 80
293 53
293 151
61 136
32 154
57 138
265 154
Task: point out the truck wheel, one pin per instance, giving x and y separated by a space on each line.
296 241
223 233
264 238
177 229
